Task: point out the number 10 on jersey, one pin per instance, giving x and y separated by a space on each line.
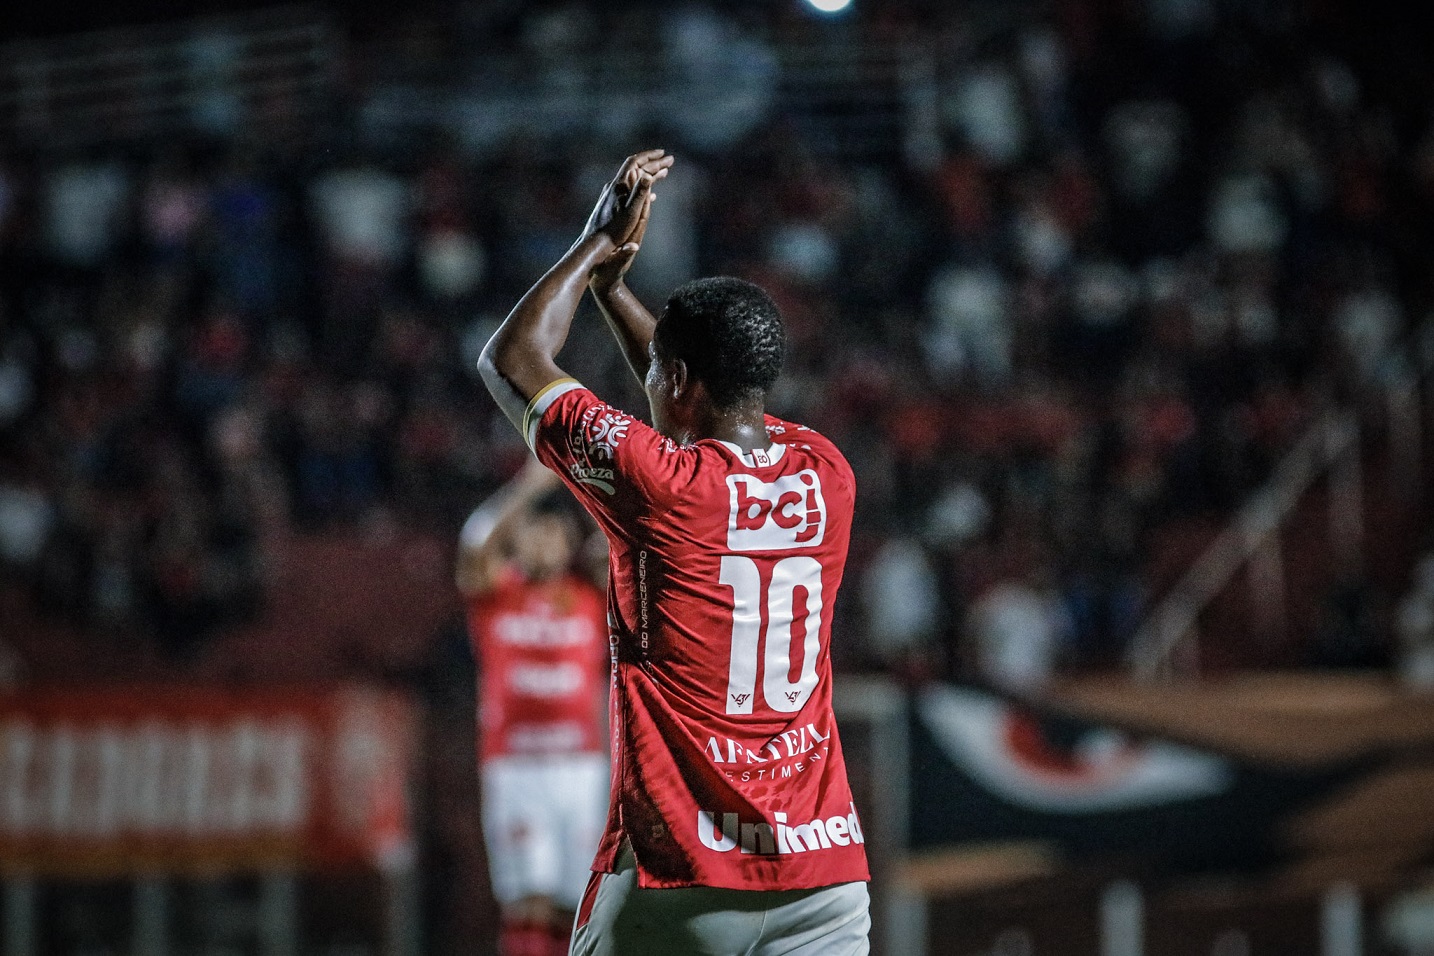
774 646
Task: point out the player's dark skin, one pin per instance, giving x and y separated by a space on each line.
521 358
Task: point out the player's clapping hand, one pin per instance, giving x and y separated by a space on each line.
622 212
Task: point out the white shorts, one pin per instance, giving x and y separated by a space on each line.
542 820
625 920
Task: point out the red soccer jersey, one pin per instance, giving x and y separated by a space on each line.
727 768
541 648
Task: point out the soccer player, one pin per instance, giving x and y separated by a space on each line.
731 826
539 634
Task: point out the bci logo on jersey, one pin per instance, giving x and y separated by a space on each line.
775 516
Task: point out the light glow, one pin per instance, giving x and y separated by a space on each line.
829 6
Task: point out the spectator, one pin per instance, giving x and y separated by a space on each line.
970 331
1414 627
172 211
985 108
246 235
1019 631
27 512
84 211
899 596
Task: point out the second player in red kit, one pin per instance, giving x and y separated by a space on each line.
540 639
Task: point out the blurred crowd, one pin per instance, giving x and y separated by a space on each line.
1147 250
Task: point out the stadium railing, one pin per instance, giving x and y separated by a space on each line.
204 75
1333 450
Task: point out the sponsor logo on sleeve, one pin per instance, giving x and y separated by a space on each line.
778 515
600 478
605 433
594 445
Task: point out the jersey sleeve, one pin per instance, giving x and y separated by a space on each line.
783 431
614 463
789 433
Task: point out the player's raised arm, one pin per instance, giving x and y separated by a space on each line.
486 539
520 360
628 318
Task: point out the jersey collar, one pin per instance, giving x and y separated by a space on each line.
756 458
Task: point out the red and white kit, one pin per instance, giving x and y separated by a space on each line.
727 768
542 648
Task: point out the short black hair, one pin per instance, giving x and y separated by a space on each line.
557 503
728 332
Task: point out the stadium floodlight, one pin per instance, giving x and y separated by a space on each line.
829 6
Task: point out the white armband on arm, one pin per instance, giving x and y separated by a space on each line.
541 403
